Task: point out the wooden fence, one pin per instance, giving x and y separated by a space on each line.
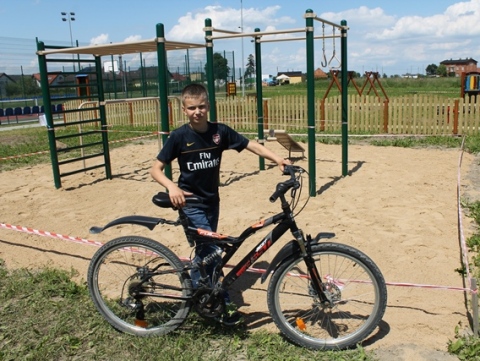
415 114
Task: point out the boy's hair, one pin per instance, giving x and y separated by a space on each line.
194 90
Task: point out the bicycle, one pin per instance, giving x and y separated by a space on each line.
321 295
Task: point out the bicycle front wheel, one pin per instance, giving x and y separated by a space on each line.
353 283
139 286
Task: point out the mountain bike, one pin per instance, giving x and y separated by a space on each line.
321 295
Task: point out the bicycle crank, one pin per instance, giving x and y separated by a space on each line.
208 305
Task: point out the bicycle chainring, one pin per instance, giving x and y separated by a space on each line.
205 308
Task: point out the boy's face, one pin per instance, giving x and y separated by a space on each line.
196 109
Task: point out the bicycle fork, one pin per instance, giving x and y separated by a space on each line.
315 278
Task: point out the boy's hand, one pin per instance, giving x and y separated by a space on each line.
177 196
282 163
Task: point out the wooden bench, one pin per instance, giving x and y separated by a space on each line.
286 141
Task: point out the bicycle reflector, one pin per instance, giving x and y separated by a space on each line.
141 323
300 324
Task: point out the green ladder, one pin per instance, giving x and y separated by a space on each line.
84 134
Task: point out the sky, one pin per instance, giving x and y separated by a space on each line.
386 36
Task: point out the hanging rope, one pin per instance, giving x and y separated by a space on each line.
324 61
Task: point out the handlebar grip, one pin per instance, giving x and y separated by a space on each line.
281 189
288 170
274 196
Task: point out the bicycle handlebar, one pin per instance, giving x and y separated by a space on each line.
283 187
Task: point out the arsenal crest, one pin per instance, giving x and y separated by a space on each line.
216 139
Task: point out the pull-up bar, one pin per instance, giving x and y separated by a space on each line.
315 17
254 35
298 38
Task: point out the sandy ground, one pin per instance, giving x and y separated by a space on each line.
398 205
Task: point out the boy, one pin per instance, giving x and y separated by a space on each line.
198 147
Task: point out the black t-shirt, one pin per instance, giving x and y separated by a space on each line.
199 156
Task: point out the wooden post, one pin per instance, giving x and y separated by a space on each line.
455 117
170 113
322 115
265 114
130 111
385 116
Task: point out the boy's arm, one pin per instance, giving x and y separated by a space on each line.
264 152
177 196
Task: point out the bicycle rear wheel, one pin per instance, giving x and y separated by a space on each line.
139 286
350 278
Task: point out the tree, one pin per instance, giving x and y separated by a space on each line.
431 69
220 67
24 87
442 70
250 70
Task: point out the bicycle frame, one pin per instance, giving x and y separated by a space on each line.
285 221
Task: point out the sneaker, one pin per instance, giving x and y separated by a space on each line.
231 316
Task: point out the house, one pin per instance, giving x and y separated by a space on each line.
294 76
460 66
319 74
53 78
4 81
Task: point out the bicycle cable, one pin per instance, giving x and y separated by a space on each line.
295 204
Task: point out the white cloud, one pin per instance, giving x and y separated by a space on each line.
377 41
100 39
190 27
132 38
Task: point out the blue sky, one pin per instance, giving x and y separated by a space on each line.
392 37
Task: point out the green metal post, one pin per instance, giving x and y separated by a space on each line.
210 77
103 117
142 73
311 100
344 82
114 79
163 88
42 63
258 68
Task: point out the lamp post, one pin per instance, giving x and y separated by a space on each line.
243 59
70 17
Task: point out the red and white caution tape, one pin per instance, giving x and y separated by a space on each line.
50 234
23 155
251 269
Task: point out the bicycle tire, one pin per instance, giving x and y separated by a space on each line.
356 284
112 274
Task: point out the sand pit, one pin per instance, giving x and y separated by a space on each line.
399 206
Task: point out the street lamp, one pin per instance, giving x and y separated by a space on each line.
243 59
70 17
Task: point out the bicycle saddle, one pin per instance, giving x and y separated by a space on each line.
162 199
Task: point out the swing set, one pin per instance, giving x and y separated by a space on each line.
334 64
370 79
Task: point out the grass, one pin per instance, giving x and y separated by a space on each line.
47 316
449 87
467 347
34 140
